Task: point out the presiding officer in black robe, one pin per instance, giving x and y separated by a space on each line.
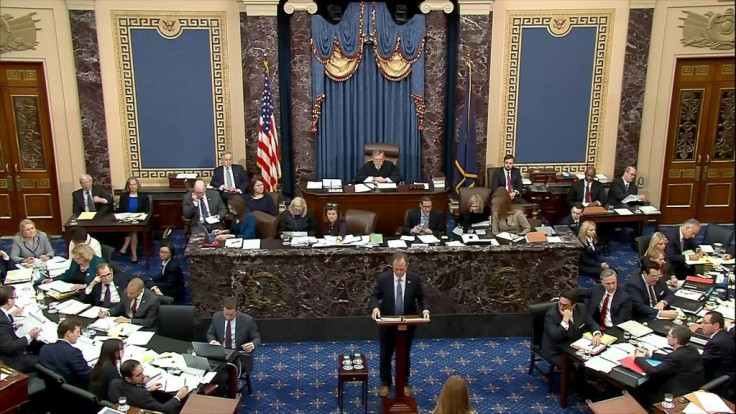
379 170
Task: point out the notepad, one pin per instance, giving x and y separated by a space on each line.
87 215
605 339
635 328
396 244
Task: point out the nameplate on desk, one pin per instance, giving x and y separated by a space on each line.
415 187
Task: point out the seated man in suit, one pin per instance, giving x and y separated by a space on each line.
680 372
718 352
201 204
229 179
138 306
566 322
236 330
509 178
608 305
106 289
587 191
424 219
132 387
90 197
624 187
12 348
64 359
679 241
572 220
378 170
649 292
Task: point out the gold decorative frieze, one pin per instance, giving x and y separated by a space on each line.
21 74
559 26
712 30
18 33
429 6
694 70
169 27
300 5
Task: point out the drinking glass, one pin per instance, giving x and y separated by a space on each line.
667 403
123 404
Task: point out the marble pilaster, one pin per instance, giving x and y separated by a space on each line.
435 80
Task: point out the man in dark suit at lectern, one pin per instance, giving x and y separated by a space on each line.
396 293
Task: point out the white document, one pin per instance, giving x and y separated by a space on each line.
133 352
92 313
173 383
90 349
72 307
408 238
692 408
251 244
125 329
511 237
585 343
426 185
60 266
20 275
601 178
169 360
454 243
649 210
690 294
140 338
635 328
212 220
103 324
362 188
24 290
314 185
458 231
418 246
58 286
623 211
191 381
480 232
706 248
349 239
625 347
428 238
600 364
481 224
656 340
554 239
236 243
48 332
396 244
386 186
32 321
469 238
712 403
614 354
526 181
186 176
630 199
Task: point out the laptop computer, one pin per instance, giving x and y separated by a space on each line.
209 351
198 362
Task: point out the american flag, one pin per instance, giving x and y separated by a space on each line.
269 156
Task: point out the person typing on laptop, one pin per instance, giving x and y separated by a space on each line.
235 330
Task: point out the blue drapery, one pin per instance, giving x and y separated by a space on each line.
367 104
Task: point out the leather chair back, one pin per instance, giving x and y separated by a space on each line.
266 225
53 383
275 195
489 175
642 244
176 321
467 192
391 151
360 221
718 234
538 311
83 401
107 252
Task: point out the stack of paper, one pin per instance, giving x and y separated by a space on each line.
709 402
397 244
57 266
586 344
140 338
600 364
235 243
87 215
455 243
186 176
649 210
658 341
606 339
92 313
623 211
72 307
58 286
428 238
90 349
635 328
102 324
20 275
511 237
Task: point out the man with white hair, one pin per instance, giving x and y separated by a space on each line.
229 178
90 197
204 208
682 240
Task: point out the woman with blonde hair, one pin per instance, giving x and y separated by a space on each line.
591 263
83 268
454 398
298 218
506 218
655 252
476 212
30 244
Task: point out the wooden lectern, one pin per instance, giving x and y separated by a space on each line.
400 403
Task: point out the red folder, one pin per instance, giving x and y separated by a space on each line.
629 363
695 279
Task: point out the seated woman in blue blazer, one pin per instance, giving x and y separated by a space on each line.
591 263
132 200
244 223
83 268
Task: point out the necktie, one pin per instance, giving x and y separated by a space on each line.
12 319
205 212
90 203
399 299
587 193
423 221
604 311
228 179
228 336
163 267
106 301
652 296
509 187
134 308
626 187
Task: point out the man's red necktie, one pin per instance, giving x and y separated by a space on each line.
228 336
509 187
134 308
587 193
604 312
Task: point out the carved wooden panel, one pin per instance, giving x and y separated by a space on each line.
723 150
679 195
694 71
688 125
718 194
5 206
28 132
38 205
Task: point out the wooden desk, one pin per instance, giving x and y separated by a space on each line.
623 404
106 223
203 404
614 217
680 404
352 375
390 205
13 391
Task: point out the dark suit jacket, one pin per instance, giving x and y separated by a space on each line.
621 307
555 335
239 176
146 314
618 191
674 250
680 372
12 348
4 267
143 207
499 179
576 193
214 203
140 397
67 361
567 221
119 282
245 330
718 358
590 261
99 386
78 200
383 296
387 170
287 222
639 294
171 281
415 217
339 229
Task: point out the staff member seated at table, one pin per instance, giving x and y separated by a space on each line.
107 368
333 224
607 304
506 218
229 179
29 244
5 265
298 218
572 220
138 306
591 263
64 359
199 204
235 330
718 352
587 191
90 197
423 219
624 187
378 170
12 348
83 267
243 224
680 372
679 241
476 212
566 322
79 236
655 253
170 280
649 293
131 386
106 288
132 200
508 178
258 199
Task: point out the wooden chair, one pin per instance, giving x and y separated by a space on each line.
360 221
266 225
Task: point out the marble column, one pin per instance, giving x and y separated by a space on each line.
475 43
91 103
259 41
435 80
632 89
